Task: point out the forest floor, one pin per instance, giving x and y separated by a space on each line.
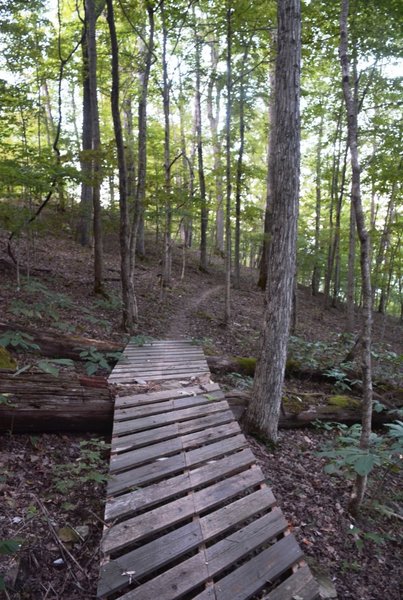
52 486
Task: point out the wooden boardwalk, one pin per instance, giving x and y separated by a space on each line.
188 513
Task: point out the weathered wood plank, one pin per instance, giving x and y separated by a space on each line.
168 377
150 472
257 572
146 497
208 452
133 530
174 583
159 365
142 455
300 584
122 414
146 474
149 397
239 544
153 451
142 438
234 514
151 422
148 557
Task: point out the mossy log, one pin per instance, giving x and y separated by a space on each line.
348 415
36 402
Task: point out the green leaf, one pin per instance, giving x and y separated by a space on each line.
48 368
364 464
9 546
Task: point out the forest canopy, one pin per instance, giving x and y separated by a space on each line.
193 86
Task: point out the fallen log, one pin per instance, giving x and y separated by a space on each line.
36 402
55 345
239 401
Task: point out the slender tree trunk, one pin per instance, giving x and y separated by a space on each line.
316 273
239 170
92 13
213 120
85 212
128 295
144 78
264 410
262 282
167 255
202 182
351 272
352 111
227 310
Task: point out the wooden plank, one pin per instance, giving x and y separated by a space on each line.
173 545
257 572
182 578
142 438
156 362
122 414
240 543
208 452
133 530
142 455
150 472
174 583
148 557
167 377
153 451
120 428
149 397
146 497
145 474
300 584
218 522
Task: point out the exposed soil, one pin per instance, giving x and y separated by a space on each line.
60 530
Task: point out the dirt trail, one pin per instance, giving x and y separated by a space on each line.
179 327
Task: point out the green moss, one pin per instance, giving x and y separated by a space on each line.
247 365
6 360
343 402
292 366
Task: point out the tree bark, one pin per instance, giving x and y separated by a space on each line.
43 403
213 120
227 309
130 314
262 282
316 272
167 255
92 12
202 182
264 411
352 112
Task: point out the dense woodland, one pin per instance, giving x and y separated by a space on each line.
188 152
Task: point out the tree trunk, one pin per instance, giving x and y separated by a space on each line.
262 282
92 12
350 325
167 255
316 273
43 403
130 314
202 182
264 411
227 309
85 212
239 170
213 119
352 111
144 77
